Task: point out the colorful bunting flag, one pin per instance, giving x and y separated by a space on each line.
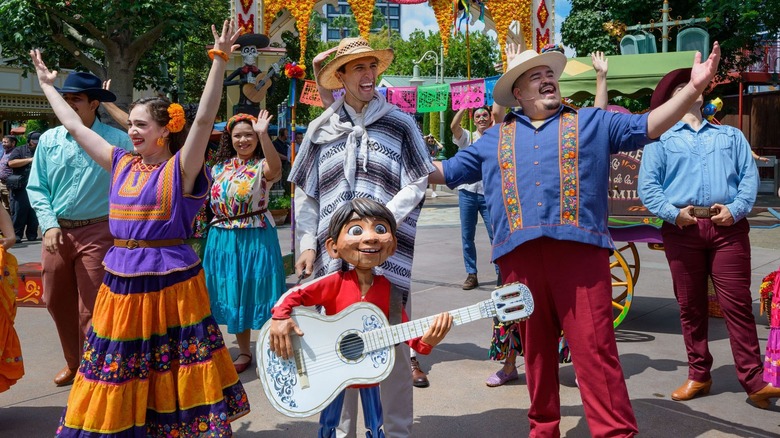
310 94
404 98
468 94
490 83
431 98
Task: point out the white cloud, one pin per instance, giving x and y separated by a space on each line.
414 17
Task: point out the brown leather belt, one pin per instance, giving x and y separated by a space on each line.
68 223
704 212
133 244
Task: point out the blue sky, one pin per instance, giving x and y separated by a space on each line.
421 17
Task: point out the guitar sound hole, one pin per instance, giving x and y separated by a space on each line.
351 347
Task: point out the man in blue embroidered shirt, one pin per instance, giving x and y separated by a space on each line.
545 172
70 199
701 179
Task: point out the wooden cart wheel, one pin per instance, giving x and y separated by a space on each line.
622 287
631 255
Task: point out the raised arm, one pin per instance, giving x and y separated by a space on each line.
192 152
601 66
118 114
666 115
499 111
92 143
325 95
455 127
272 169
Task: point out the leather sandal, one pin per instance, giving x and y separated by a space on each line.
241 367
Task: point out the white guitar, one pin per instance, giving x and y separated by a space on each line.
355 347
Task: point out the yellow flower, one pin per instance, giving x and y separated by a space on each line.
242 188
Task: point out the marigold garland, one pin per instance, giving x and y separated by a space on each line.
301 11
270 9
503 13
293 70
177 121
443 11
363 10
765 292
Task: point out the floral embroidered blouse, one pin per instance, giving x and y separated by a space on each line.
240 187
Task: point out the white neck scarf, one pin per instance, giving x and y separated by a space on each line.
328 128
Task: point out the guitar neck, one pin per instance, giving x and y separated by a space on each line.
391 335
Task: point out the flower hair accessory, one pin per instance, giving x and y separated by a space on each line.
239 118
294 71
177 121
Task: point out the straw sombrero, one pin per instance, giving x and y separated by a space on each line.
351 49
502 93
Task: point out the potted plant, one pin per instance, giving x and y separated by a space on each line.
279 206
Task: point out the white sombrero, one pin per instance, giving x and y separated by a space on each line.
502 93
351 49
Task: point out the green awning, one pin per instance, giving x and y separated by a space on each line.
628 75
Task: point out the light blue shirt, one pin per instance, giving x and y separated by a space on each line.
713 165
65 182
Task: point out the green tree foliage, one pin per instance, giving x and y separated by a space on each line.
132 42
740 27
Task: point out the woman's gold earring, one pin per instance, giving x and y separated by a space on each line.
161 142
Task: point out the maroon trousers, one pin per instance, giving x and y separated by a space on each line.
71 279
572 290
694 253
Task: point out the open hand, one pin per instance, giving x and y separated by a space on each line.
511 50
262 123
316 63
600 63
45 77
226 40
703 72
281 344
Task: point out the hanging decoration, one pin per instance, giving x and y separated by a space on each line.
363 10
432 98
404 98
503 13
468 94
443 11
338 94
310 95
270 9
246 11
490 83
543 23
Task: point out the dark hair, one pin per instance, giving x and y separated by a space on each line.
484 107
363 208
190 111
158 109
12 138
282 131
226 150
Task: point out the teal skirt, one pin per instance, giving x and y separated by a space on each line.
244 276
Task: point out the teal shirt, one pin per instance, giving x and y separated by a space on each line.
65 182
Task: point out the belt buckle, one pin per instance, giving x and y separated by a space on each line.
131 244
702 212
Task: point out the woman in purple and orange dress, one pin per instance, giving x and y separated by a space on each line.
155 363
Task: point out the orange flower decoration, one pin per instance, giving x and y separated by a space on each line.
443 11
293 70
503 13
363 10
270 9
177 121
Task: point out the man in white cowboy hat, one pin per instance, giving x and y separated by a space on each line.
70 201
545 172
362 146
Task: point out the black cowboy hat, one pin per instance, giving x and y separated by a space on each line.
87 83
663 91
253 39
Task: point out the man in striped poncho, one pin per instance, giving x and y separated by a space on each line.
362 147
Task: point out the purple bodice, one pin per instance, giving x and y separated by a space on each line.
147 203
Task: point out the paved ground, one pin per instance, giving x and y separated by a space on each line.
458 404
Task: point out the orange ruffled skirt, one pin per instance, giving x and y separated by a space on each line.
11 364
154 363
